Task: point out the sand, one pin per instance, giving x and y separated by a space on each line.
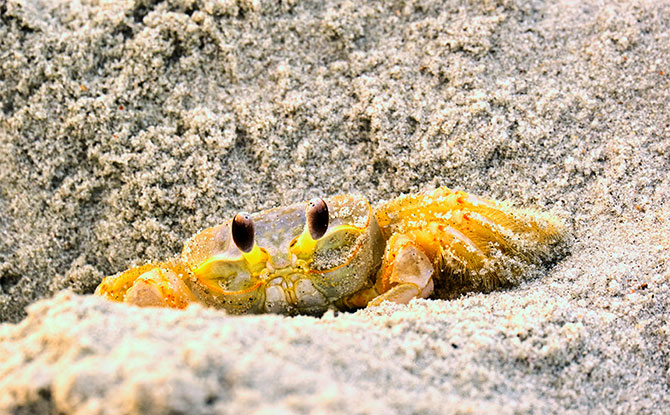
125 128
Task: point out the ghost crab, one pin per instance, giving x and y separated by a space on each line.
340 253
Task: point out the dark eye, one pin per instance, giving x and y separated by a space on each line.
243 231
317 217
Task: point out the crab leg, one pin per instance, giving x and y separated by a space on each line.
464 241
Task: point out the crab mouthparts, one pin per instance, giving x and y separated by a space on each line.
292 291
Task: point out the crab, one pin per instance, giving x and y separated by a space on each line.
341 253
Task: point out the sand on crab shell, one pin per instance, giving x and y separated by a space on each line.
127 127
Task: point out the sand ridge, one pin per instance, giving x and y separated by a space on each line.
127 127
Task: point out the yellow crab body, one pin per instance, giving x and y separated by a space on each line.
439 242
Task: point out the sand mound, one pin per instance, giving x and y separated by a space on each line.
125 128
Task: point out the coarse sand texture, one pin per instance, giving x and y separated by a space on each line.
126 127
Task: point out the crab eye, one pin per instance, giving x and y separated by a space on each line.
243 231
317 217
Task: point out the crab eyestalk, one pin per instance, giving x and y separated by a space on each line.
316 225
317 218
243 233
243 230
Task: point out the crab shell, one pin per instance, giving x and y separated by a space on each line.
287 271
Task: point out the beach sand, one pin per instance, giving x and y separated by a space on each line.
127 127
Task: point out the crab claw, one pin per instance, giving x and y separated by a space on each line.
407 273
152 285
